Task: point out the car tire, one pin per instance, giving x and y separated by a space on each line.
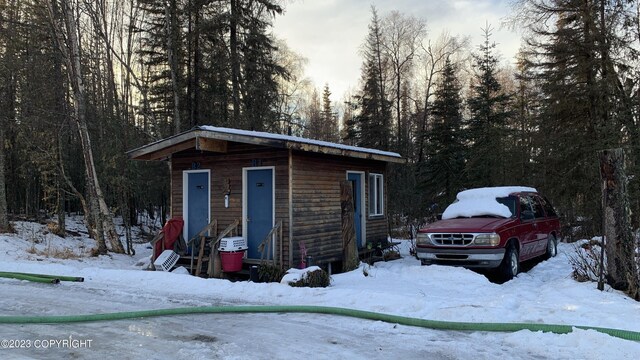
510 265
552 247
424 262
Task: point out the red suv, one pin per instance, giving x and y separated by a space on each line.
496 227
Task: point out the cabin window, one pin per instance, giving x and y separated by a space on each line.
376 194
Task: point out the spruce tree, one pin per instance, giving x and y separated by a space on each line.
577 57
330 130
487 127
372 126
442 174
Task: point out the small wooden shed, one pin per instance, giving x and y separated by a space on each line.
264 179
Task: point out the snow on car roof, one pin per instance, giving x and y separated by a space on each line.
482 201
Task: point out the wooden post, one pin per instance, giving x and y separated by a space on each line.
349 246
621 260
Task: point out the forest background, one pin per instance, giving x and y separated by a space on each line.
84 81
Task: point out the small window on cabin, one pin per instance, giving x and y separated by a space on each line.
376 194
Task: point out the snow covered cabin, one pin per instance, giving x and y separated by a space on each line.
263 179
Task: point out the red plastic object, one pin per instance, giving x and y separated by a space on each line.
172 229
231 260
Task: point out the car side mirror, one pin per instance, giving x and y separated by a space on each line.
439 216
527 215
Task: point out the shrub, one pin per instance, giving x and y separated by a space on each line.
316 278
269 273
585 261
391 255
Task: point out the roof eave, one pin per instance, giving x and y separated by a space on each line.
147 152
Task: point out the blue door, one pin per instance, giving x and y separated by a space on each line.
197 202
356 185
259 211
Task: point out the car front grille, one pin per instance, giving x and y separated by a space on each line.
452 239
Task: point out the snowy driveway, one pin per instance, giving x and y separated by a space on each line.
228 336
544 294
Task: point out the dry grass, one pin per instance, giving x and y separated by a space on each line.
65 253
55 229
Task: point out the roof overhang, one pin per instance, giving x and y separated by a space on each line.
216 140
163 149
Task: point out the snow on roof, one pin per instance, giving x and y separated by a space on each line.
482 201
296 139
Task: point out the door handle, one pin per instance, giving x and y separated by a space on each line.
248 219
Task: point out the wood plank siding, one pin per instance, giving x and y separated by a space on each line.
316 204
315 194
226 173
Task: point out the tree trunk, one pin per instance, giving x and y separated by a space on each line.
60 210
622 271
100 213
7 105
235 63
349 243
126 220
170 31
4 220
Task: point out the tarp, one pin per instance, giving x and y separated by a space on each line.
171 231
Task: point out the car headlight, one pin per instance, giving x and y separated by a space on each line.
423 239
487 239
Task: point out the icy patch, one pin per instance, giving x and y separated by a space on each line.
482 201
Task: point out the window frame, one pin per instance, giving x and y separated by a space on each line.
376 195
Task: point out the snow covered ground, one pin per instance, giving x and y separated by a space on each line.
544 294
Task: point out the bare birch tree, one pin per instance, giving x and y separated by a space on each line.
402 34
69 45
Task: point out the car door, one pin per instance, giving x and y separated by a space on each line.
527 228
552 222
541 227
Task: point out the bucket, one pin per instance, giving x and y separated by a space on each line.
231 260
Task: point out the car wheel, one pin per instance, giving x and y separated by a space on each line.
552 247
424 262
510 265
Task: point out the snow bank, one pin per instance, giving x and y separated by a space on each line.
482 201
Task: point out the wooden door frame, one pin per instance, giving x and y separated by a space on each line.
245 199
363 210
185 198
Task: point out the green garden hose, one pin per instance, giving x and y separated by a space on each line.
394 319
368 315
59 277
30 277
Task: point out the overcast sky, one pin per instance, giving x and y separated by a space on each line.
329 33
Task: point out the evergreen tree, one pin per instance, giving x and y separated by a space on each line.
258 67
330 131
313 117
372 126
162 58
442 172
580 59
487 128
